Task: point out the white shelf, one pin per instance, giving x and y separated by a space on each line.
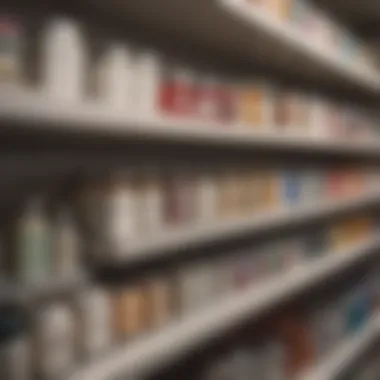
33 112
158 349
235 30
292 39
168 242
352 349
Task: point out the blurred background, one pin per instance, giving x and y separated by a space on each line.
189 190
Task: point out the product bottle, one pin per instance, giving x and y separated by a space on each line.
33 243
114 77
146 83
66 246
95 307
56 341
121 217
151 206
63 60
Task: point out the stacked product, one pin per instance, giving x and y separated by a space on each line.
42 248
71 330
154 204
298 340
318 28
146 85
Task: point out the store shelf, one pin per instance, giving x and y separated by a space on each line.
154 351
346 354
236 30
32 113
168 242
293 40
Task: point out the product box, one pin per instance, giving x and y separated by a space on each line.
291 188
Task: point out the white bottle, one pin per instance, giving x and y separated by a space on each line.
34 243
114 77
95 310
146 83
56 334
66 246
63 61
121 221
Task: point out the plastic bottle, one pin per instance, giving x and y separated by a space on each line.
66 245
34 243
115 78
56 341
95 308
63 60
147 75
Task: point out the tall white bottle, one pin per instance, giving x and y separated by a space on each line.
146 82
114 77
63 61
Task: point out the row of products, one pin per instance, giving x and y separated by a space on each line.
113 216
122 211
318 28
41 247
144 83
300 340
68 332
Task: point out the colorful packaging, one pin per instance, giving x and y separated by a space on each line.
291 188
